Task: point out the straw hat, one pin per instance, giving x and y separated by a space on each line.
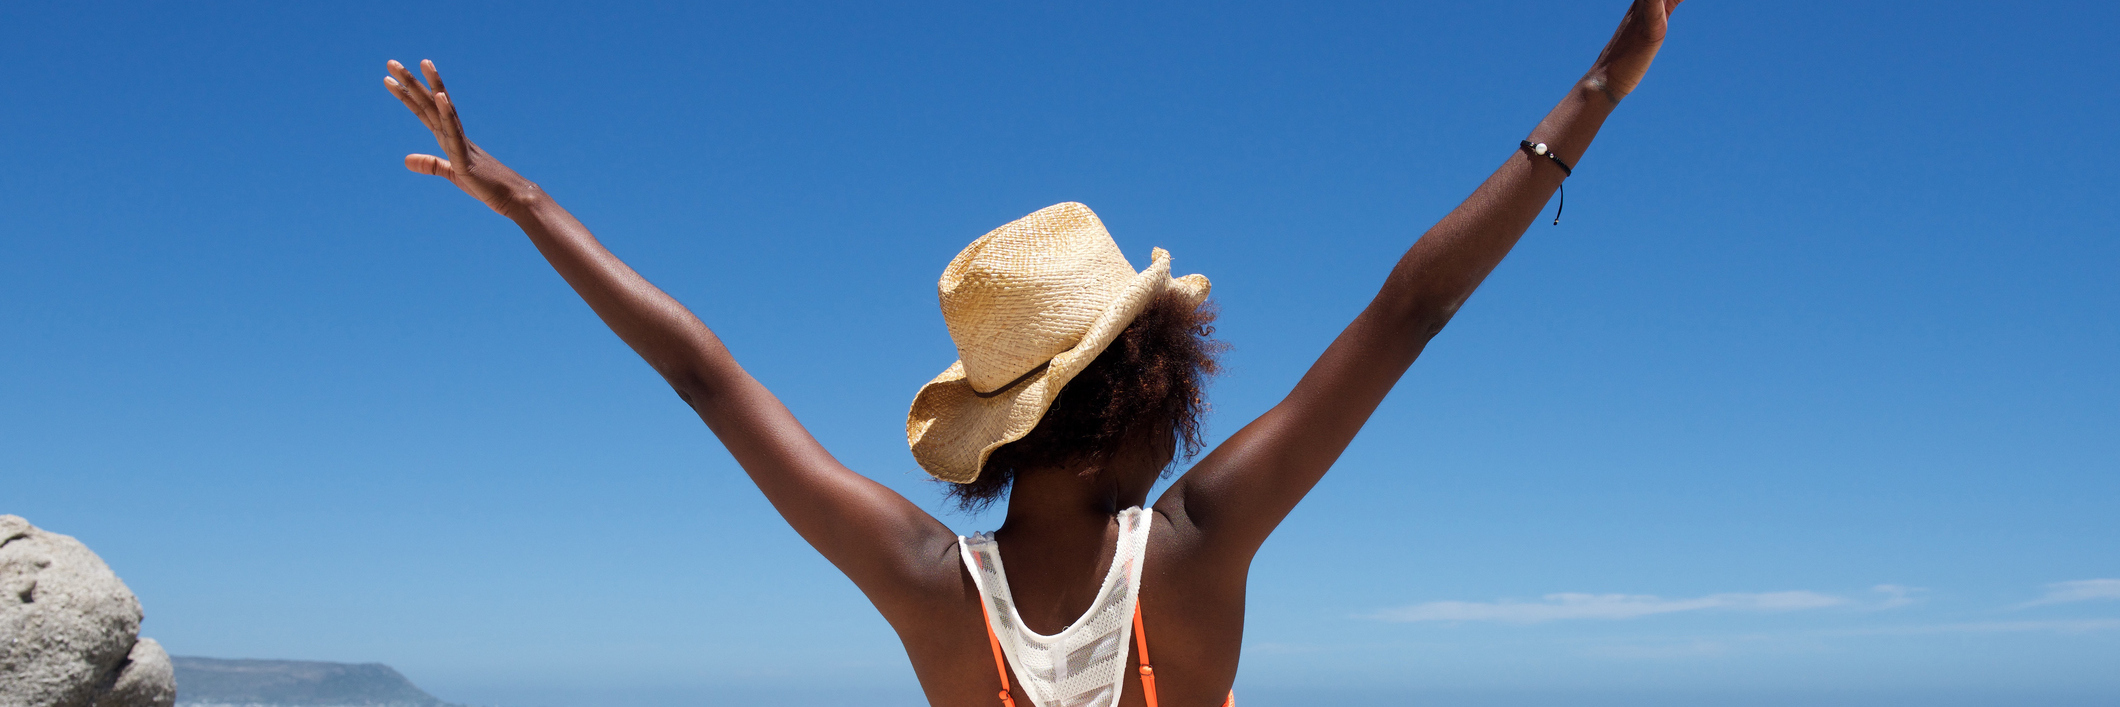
1029 305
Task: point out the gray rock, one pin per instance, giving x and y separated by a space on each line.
146 678
69 629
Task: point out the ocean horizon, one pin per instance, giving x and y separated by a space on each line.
1308 696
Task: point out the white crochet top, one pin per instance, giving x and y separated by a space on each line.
1085 664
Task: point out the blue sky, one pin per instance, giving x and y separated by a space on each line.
1800 404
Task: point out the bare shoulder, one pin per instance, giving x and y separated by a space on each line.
1182 554
943 629
1192 607
934 576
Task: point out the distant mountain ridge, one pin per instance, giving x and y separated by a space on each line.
219 682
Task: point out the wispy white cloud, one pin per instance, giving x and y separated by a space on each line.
1659 651
1556 607
1671 648
2078 590
2062 626
1896 595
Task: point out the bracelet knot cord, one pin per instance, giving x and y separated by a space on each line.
1539 149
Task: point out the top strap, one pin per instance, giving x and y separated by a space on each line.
1000 665
1148 670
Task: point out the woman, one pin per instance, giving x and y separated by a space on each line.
1078 385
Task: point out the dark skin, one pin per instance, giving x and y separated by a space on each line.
1060 528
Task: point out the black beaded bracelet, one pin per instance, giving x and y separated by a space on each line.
1539 149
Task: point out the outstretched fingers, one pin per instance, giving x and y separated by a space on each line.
451 128
459 160
430 101
435 110
418 96
434 76
404 95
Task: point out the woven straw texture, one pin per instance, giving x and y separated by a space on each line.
1029 305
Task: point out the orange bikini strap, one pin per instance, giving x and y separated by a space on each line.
1148 670
1000 666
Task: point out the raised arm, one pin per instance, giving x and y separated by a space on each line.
872 533
1236 495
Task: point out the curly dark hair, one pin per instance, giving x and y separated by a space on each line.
1150 380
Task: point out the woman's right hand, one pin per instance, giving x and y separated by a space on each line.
466 166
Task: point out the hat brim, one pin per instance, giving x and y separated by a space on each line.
952 427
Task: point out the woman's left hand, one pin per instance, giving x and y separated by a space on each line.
1626 58
466 166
